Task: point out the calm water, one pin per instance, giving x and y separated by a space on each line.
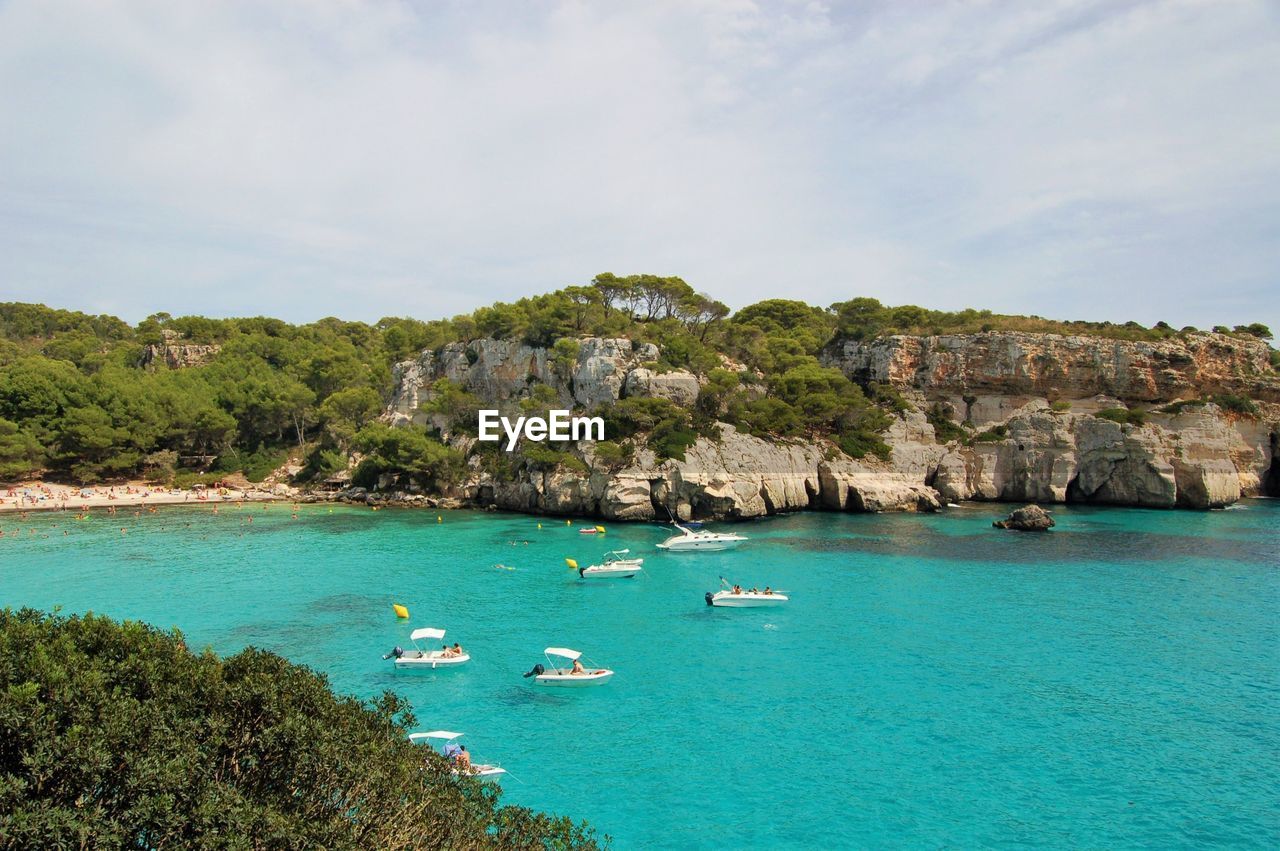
933 683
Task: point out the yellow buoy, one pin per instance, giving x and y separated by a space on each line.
439 519
600 529
573 565
401 611
539 525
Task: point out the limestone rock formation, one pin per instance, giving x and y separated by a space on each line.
1029 518
175 354
1016 364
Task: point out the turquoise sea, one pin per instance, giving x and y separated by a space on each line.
933 683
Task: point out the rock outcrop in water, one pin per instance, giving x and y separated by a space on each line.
1029 403
1029 518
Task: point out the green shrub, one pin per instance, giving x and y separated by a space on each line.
995 434
944 427
256 465
1235 404
1060 406
115 735
859 444
1179 407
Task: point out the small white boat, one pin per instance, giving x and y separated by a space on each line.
451 749
689 540
576 676
734 597
420 657
615 567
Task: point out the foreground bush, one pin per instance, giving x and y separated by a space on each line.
114 735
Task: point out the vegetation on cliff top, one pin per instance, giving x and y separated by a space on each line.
83 397
115 735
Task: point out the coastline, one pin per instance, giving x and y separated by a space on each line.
48 496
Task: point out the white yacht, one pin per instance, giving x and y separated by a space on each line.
690 540
616 566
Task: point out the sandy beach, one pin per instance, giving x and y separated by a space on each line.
44 496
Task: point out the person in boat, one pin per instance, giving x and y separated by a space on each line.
754 590
737 589
463 760
445 651
768 591
577 667
457 649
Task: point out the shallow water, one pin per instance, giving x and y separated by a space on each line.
933 682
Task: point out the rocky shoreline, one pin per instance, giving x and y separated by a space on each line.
1046 422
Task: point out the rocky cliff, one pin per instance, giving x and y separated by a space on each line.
1028 402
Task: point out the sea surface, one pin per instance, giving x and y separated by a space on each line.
934 682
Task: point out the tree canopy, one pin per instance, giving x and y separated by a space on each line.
115 735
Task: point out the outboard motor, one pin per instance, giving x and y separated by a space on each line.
582 571
396 651
536 671
709 596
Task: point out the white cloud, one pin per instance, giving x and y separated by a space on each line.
1077 159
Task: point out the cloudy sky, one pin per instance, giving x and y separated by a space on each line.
1102 160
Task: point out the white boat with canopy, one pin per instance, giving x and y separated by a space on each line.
735 597
451 749
616 566
421 657
576 675
690 540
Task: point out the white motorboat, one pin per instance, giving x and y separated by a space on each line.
615 566
576 676
734 597
420 657
690 540
451 749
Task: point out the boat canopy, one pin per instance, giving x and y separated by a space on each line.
426 632
562 652
434 734
616 553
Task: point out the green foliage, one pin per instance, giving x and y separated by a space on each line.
613 454
407 450
667 424
944 427
21 455
1124 416
860 444
1257 329
1235 404
255 466
564 354
1179 407
866 318
458 406
1060 406
115 735
995 434
1274 356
